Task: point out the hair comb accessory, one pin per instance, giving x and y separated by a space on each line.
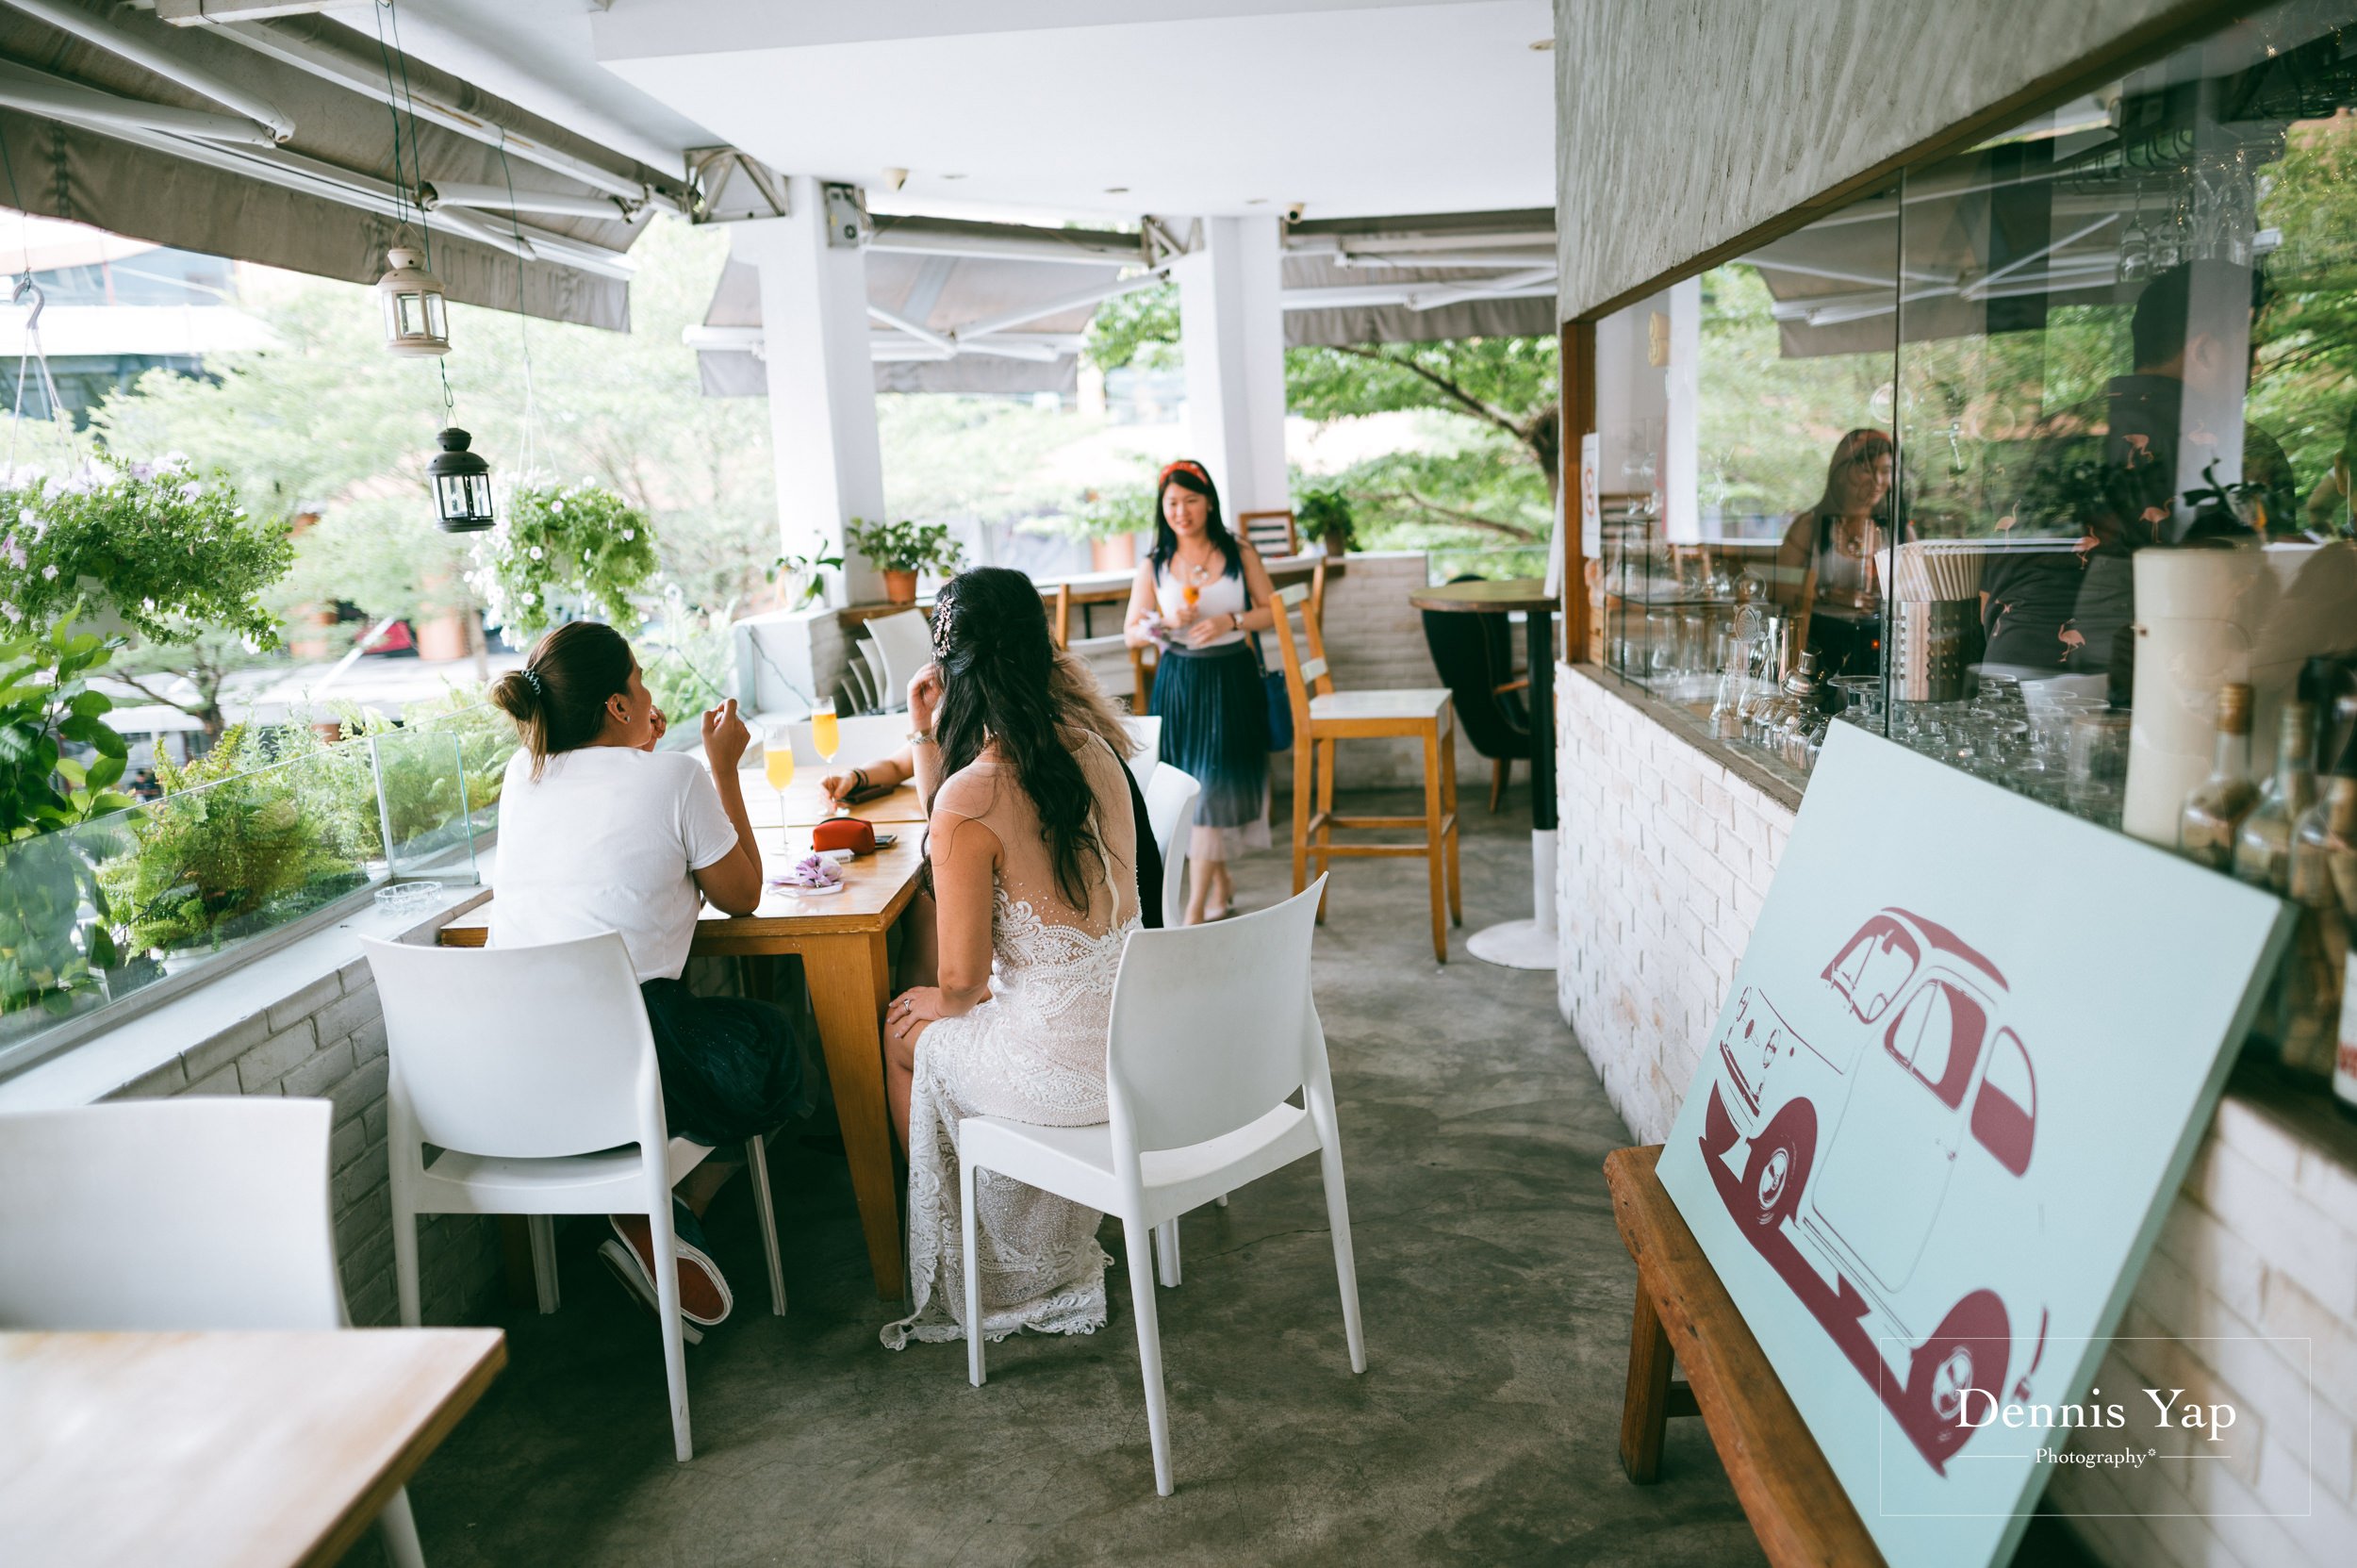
945 624
532 679
1189 465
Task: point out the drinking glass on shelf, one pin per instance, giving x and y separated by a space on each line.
777 765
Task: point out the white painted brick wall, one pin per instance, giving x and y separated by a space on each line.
1664 859
327 1042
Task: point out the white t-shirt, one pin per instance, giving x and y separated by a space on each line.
607 839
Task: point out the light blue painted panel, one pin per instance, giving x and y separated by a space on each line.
1966 1059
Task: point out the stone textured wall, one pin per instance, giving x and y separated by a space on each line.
327 1041
1681 124
1664 860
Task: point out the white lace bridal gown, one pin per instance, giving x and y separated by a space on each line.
1035 1053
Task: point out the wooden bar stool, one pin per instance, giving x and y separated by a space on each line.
1322 718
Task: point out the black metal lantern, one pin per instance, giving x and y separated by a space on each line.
462 484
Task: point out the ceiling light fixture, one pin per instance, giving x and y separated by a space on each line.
1542 46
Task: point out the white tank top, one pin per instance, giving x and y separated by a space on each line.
1220 596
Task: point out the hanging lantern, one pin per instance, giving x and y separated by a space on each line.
417 320
462 484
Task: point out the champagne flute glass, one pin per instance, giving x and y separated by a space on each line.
777 761
825 737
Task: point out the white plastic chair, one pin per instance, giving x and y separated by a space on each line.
1195 1113
1147 734
532 1070
904 645
1170 806
176 1214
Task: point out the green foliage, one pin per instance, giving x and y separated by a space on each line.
993 459
906 546
1140 328
45 706
47 958
687 658
1325 515
1481 463
798 579
166 548
1512 383
324 422
581 547
2304 380
1107 513
233 848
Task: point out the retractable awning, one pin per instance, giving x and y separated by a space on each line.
1001 309
1419 280
953 306
272 141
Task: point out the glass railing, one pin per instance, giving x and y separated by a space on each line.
209 876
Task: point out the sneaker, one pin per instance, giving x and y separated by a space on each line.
703 1292
623 1264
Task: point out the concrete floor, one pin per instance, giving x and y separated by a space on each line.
1496 1297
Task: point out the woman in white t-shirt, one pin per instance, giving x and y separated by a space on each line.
601 831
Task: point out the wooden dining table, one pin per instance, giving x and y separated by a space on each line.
842 941
241 1450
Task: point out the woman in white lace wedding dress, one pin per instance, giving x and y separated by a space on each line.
1033 853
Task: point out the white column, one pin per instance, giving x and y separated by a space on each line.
823 382
1231 329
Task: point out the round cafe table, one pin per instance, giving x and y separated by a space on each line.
1521 944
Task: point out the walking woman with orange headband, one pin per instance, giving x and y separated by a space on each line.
1199 597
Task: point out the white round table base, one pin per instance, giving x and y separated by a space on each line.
1514 945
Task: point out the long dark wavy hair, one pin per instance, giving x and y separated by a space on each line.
990 639
1187 474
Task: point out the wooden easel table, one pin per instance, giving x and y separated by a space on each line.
1789 1493
841 941
257 1450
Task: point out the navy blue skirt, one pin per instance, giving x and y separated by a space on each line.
732 1069
1213 706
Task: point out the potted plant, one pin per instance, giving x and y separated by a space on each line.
798 578
561 547
1323 517
1110 519
901 550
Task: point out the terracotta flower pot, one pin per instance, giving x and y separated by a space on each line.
899 586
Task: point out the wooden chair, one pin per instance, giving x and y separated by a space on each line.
1322 718
1060 617
1270 533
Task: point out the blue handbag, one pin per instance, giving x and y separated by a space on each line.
1280 702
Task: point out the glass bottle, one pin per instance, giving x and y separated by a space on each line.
2316 1035
2215 810
2262 845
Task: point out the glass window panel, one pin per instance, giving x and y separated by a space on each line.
2126 386
1747 469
